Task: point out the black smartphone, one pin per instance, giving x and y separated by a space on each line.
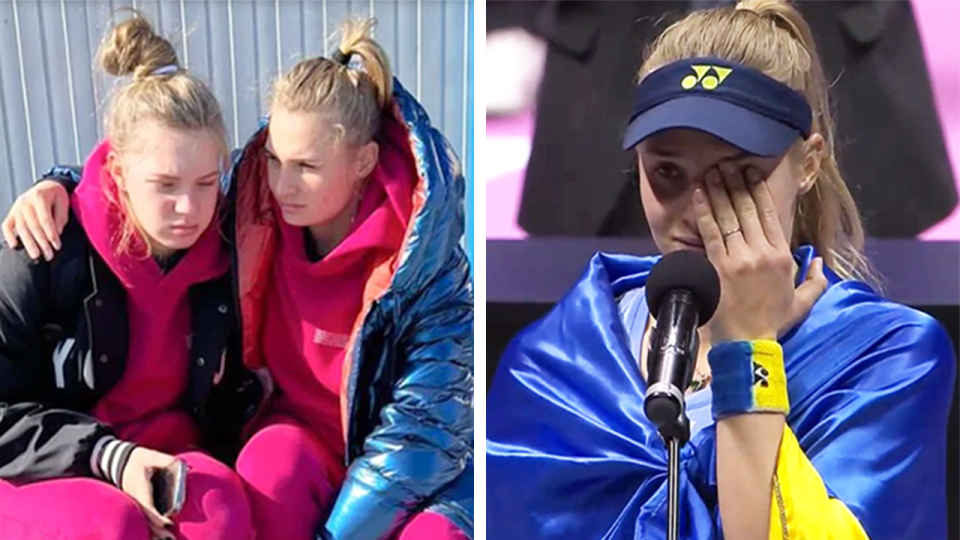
170 488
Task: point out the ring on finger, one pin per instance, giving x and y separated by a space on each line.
732 231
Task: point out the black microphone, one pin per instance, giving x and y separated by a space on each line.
683 290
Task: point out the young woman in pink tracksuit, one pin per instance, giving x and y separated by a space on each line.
117 356
355 296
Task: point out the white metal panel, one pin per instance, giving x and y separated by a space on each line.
52 98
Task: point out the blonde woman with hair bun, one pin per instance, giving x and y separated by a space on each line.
346 216
816 408
116 364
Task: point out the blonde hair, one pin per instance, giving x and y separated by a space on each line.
773 37
160 90
349 95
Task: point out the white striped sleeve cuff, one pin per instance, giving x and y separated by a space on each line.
109 457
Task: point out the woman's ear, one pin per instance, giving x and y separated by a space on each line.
115 168
367 159
812 150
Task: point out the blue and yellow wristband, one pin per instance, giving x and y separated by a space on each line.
748 377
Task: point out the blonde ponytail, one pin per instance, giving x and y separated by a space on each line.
355 40
350 91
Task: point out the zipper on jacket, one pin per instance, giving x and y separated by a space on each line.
780 507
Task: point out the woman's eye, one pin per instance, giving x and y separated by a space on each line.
667 180
667 172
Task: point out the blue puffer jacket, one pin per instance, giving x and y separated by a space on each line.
408 400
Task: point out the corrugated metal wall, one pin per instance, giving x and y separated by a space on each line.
51 98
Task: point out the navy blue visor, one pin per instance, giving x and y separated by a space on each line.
735 103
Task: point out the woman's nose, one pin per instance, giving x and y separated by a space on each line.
286 183
184 204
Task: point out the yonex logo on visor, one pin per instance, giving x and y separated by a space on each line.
710 81
734 102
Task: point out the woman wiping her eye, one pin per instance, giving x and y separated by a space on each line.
818 409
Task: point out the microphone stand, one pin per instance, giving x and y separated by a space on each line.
682 289
675 435
675 431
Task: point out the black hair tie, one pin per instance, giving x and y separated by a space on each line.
341 57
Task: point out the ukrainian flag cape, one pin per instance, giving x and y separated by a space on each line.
570 454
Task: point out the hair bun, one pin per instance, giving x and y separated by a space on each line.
133 48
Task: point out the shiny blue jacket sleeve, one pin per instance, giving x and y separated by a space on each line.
69 173
425 437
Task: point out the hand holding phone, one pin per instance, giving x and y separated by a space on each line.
170 488
143 469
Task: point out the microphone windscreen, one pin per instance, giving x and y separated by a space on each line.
688 270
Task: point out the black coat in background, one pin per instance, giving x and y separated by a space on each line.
579 182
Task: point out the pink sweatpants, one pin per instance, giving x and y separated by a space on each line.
87 509
292 480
